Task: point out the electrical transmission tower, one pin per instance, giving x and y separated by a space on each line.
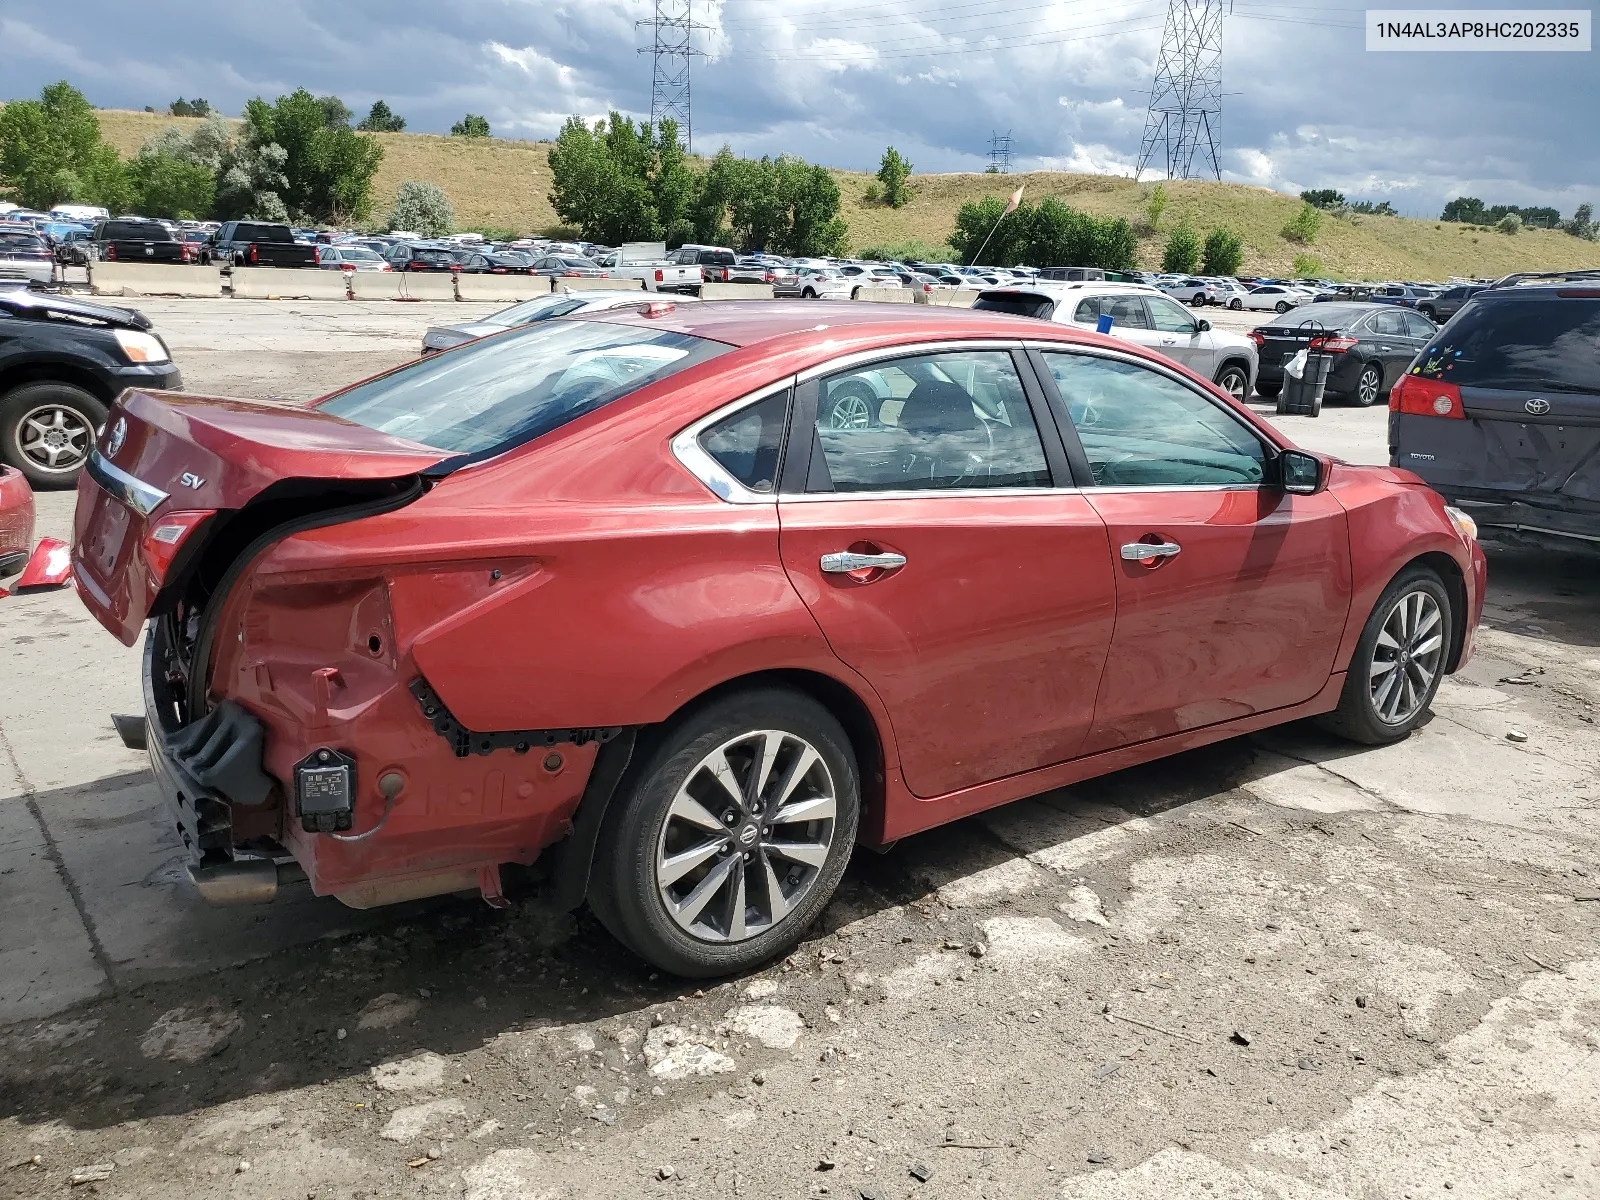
673 50
1186 99
1000 152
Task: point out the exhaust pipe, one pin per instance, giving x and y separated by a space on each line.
246 881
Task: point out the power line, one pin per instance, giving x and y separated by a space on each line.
1000 153
672 51
1018 42
1186 98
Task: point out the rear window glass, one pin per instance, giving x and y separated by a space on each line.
717 258
433 255
134 231
1016 304
20 241
1548 345
250 231
508 389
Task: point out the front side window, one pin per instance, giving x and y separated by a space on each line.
1168 316
496 393
952 420
1140 428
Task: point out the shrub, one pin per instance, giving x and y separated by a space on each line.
893 172
471 126
914 250
570 233
1510 223
1154 206
1323 198
1304 225
422 208
1223 254
873 193
492 233
1307 266
1182 252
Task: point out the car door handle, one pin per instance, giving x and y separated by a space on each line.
1386 349
1144 551
845 561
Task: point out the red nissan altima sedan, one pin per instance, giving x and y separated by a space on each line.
694 598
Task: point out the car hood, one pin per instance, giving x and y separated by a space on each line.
24 302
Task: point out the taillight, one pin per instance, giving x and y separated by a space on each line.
497 270
571 274
254 255
1426 398
1257 337
1333 345
769 277
660 278
111 254
165 538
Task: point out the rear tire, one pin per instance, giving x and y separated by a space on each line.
1268 391
47 430
721 915
1369 387
1398 663
1282 306
1236 304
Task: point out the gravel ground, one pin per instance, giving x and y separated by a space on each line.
1278 967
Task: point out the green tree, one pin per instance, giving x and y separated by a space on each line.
1367 208
1154 205
1466 209
1323 198
381 120
978 221
912 250
51 152
1582 224
335 112
601 179
1304 225
672 182
422 208
1181 254
471 126
893 171
168 185
1223 253
326 170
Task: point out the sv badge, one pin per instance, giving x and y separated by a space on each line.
190 480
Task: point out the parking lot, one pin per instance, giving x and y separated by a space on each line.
1278 967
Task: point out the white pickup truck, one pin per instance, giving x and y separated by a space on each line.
648 261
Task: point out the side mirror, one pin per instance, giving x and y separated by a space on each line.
1202 326
1300 473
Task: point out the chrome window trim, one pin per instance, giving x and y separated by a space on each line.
924 494
135 493
908 350
695 459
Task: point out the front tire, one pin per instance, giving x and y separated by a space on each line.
1234 380
1236 304
730 836
1398 663
47 430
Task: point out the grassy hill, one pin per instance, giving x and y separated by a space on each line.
507 184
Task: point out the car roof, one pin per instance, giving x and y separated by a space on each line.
744 323
1059 288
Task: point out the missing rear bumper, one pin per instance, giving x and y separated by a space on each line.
465 741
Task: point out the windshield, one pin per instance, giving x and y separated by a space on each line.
542 309
508 389
356 254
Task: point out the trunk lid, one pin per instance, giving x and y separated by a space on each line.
179 454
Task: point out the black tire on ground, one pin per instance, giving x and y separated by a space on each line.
65 418
1283 306
1198 302
1357 716
1369 386
808 294
1234 380
629 902
1236 304
1427 310
1268 390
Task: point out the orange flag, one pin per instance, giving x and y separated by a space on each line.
1016 199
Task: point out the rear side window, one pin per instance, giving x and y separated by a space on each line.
748 443
1088 311
491 395
1016 304
953 420
250 231
1546 344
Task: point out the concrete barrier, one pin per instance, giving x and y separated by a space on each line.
736 291
153 279
377 285
949 298
880 295
427 285
288 283
596 285
509 288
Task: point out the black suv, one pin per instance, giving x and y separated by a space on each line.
62 363
1500 413
1448 303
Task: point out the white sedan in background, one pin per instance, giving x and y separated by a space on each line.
1274 296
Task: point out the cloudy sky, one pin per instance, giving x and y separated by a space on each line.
836 80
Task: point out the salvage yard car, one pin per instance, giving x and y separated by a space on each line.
1501 411
613 588
62 363
1372 345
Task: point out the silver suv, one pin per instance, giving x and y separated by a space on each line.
1142 315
